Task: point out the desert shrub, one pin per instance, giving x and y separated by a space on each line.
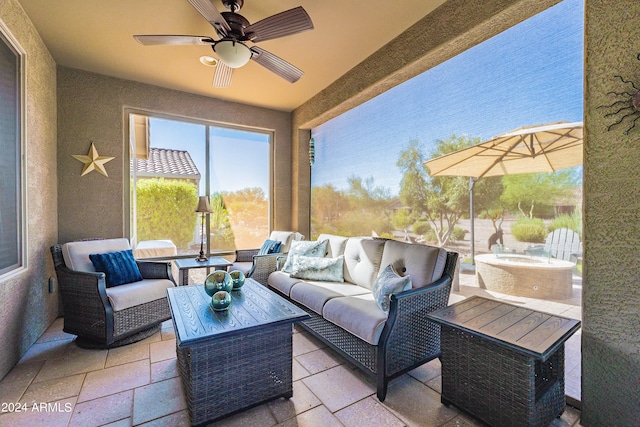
529 230
572 222
421 227
458 233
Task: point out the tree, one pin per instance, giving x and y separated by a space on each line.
536 191
443 200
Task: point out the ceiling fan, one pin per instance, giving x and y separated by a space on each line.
234 31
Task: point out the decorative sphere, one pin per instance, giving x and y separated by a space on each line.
220 300
218 281
237 277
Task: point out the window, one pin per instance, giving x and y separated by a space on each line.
530 74
173 161
11 119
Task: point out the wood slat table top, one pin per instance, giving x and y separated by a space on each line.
523 330
253 306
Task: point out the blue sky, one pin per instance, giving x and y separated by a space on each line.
527 75
239 158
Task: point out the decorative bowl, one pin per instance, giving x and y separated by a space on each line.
237 277
218 281
220 301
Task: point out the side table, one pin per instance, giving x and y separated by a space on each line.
502 363
185 264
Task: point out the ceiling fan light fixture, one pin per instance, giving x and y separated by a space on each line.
233 53
209 61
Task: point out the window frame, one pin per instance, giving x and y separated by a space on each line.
128 111
20 162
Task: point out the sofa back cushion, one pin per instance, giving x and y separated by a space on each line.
336 245
423 263
76 254
362 257
286 237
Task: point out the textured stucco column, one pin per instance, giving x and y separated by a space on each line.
611 282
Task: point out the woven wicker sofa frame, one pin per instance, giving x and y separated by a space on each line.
263 265
408 339
89 315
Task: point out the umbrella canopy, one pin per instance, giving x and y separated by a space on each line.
545 148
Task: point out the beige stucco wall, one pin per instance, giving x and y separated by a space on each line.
91 108
26 306
611 282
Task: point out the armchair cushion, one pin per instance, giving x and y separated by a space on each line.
137 293
119 267
76 254
270 247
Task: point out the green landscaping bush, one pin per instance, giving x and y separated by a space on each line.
530 230
572 222
422 227
165 210
458 234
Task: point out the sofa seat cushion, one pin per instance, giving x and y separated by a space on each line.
241 266
425 264
282 282
314 295
76 254
359 315
362 257
136 293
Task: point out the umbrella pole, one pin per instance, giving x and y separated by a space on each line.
472 183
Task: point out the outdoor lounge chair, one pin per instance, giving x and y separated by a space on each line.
561 243
104 316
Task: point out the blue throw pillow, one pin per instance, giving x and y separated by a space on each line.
389 282
270 247
119 267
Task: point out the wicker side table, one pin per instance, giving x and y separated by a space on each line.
232 360
502 363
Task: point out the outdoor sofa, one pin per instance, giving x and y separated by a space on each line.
351 283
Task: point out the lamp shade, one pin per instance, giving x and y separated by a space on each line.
203 205
233 53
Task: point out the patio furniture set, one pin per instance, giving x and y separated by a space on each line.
379 303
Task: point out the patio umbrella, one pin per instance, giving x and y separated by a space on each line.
545 148
532 149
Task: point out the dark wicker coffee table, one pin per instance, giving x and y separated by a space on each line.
503 363
232 360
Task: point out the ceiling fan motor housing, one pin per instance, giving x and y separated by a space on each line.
233 5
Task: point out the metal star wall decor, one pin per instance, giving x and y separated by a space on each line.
92 161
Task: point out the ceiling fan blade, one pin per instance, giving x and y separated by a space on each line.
222 75
211 14
282 24
151 40
276 64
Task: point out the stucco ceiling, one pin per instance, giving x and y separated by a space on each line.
96 35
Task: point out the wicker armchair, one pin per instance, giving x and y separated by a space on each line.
97 314
258 266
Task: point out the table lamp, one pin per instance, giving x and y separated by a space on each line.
203 208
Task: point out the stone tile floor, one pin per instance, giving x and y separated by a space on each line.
57 383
